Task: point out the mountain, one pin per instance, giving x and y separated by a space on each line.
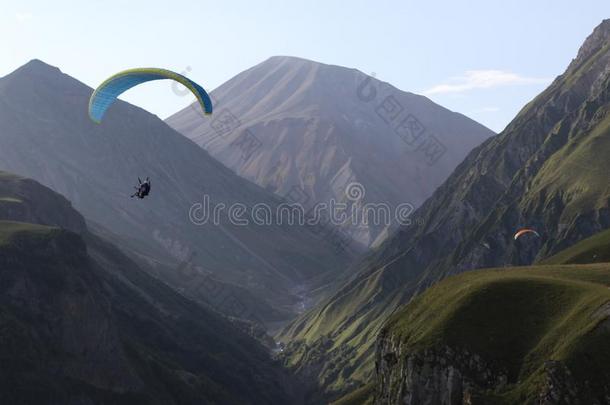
595 249
320 128
81 323
530 335
254 271
360 396
546 170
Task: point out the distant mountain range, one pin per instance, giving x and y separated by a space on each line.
257 272
319 128
547 170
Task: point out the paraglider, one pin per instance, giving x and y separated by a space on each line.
142 189
107 92
524 231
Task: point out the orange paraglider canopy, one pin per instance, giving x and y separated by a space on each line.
523 231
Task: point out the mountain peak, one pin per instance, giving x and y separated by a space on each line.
319 132
38 68
599 38
288 59
296 62
604 26
39 65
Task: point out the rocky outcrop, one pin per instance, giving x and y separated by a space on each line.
446 376
559 386
442 376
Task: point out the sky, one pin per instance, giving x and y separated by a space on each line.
484 59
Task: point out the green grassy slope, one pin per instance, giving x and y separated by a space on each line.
360 396
336 340
595 249
11 232
516 319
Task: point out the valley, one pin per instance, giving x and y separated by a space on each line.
304 232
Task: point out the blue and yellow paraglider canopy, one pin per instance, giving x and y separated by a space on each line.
107 92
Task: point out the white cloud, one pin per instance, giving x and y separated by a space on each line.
483 79
23 17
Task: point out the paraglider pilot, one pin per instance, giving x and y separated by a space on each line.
142 189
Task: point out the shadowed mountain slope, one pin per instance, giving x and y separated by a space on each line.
83 324
45 134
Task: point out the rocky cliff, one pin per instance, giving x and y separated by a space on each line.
435 376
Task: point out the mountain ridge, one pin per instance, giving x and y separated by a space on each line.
506 183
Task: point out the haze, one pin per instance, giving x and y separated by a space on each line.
482 59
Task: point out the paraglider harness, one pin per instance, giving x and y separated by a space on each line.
142 189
